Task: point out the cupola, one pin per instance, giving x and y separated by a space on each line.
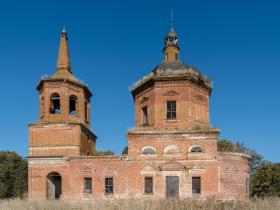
171 48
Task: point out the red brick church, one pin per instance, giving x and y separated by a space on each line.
172 150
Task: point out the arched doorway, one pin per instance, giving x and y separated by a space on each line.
54 186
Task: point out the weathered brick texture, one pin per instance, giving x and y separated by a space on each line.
62 146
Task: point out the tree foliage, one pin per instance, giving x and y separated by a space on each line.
266 181
13 175
104 153
125 151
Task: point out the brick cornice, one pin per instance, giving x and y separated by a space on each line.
136 131
64 80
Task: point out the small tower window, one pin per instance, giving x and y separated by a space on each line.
171 110
145 115
73 101
42 104
55 104
86 111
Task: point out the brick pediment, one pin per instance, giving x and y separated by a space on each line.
171 93
233 168
143 99
148 170
197 167
87 170
172 167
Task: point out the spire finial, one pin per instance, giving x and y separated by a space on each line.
171 21
171 48
63 59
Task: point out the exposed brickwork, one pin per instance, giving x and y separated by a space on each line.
64 90
218 178
192 105
60 139
62 147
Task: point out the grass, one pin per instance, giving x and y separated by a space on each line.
137 204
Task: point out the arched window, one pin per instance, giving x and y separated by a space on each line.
54 186
73 105
55 104
195 149
171 149
148 150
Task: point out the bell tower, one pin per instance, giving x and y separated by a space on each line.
63 128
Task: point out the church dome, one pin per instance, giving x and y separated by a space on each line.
174 70
171 68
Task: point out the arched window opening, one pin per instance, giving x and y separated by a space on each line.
148 150
54 188
55 104
196 150
73 105
171 149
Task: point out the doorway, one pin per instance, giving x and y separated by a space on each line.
172 187
53 186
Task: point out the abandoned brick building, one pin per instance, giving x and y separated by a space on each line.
172 150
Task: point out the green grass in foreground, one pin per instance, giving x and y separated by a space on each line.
137 204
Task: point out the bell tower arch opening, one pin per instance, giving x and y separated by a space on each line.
54 186
73 105
55 104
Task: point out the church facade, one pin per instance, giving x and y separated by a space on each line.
172 150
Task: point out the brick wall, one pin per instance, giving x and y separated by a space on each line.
129 177
60 139
192 105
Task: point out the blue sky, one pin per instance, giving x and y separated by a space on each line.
114 43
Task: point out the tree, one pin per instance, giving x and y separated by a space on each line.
125 151
104 153
13 175
266 181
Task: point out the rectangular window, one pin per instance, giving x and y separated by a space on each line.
86 111
196 185
247 183
171 110
148 185
145 115
109 185
87 185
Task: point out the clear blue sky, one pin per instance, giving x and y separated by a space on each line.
114 43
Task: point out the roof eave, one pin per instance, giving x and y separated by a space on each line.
206 84
40 84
